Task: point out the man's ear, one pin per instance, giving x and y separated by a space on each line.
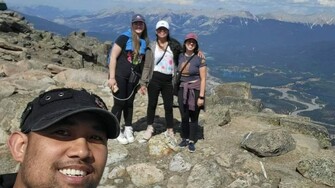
17 144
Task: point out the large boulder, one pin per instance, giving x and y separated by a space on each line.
13 22
268 143
235 95
318 170
307 127
3 5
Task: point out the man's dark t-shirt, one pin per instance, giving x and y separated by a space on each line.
7 180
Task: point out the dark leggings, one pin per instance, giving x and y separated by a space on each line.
125 106
160 83
189 118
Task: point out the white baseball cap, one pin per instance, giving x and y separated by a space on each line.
162 23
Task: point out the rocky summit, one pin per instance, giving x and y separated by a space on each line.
240 145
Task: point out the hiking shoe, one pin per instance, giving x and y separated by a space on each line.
122 139
128 133
191 147
147 134
171 141
183 143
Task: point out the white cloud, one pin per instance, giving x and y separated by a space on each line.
180 2
300 1
254 6
327 3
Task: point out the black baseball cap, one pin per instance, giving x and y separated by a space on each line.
137 18
57 104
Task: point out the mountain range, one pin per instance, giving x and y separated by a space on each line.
239 33
277 50
241 144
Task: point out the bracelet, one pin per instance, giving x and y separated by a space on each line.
200 97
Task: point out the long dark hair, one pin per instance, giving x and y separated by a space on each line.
167 38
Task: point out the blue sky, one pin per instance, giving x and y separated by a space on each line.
254 6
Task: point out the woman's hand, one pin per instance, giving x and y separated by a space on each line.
201 55
142 90
113 85
200 102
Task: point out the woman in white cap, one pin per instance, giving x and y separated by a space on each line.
125 66
161 59
191 95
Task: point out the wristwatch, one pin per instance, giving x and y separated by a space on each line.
201 97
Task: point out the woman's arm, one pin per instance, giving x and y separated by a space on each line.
147 71
115 52
146 67
203 77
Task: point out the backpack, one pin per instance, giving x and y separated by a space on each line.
128 46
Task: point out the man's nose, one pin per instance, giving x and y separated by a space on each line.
80 149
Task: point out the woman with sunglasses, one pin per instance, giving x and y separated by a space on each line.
161 60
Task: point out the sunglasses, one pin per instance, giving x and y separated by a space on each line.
139 23
191 41
162 29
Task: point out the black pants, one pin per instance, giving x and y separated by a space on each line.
160 83
189 118
124 106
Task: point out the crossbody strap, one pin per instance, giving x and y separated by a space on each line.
163 54
186 63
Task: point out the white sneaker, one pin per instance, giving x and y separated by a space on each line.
128 133
122 139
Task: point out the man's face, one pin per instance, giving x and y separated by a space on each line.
71 153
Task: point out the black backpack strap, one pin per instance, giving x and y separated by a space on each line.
163 54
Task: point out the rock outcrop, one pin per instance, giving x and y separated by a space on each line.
242 144
3 5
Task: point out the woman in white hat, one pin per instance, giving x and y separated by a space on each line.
161 59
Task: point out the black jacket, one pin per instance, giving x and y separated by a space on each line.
176 49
